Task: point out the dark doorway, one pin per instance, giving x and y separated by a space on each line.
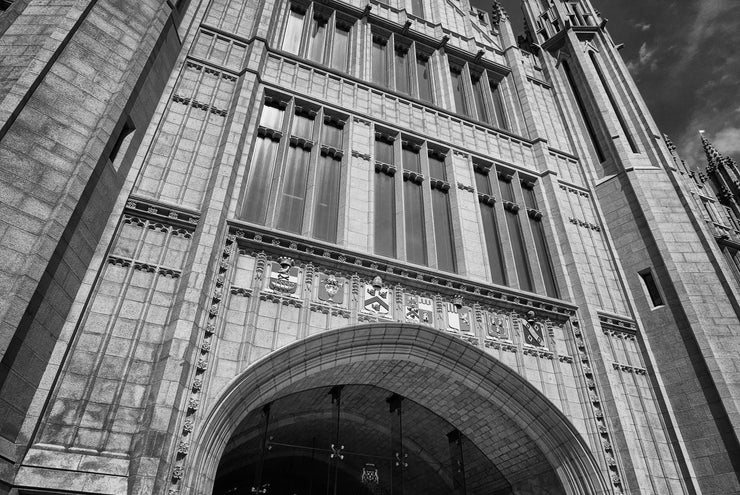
353 439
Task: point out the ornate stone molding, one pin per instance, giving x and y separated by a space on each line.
207 340
537 352
198 104
140 208
629 369
617 327
500 344
256 240
587 225
596 405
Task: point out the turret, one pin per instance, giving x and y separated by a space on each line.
723 174
572 36
660 239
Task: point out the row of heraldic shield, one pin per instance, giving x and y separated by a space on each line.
377 301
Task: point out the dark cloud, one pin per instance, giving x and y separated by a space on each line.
682 57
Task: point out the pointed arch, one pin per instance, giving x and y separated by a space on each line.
513 423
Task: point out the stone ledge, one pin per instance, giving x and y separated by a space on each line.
74 481
82 461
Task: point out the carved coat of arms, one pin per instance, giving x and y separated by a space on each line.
284 277
498 326
419 309
459 319
533 333
377 299
331 289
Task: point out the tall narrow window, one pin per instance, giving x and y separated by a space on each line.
651 287
584 113
385 197
379 61
293 30
317 39
300 192
262 169
443 235
458 90
416 246
121 145
328 175
480 100
340 48
498 106
538 232
515 232
615 106
402 69
490 225
295 174
424 75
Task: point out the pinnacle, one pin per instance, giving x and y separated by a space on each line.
498 13
669 144
713 156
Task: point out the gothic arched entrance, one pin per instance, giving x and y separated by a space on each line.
467 424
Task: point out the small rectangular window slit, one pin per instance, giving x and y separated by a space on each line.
121 146
651 287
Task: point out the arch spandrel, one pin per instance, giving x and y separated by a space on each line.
427 366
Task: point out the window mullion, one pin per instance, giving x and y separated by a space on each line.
310 198
468 91
540 234
306 36
400 222
280 163
434 67
391 61
499 104
427 205
331 32
485 84
535 270
344 187
413 72
503 230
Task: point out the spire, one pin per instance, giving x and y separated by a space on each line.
723 171
498 13
714 157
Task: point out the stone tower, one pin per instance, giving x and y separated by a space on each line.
351 246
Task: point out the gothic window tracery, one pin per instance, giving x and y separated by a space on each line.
295 173
477 94
321 35
501 204
426 221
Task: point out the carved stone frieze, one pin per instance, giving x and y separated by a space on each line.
359 270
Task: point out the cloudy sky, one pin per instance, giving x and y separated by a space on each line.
685 57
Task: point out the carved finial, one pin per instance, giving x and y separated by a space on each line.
669 144
498 13
714 157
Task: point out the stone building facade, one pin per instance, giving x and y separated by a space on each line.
350 246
